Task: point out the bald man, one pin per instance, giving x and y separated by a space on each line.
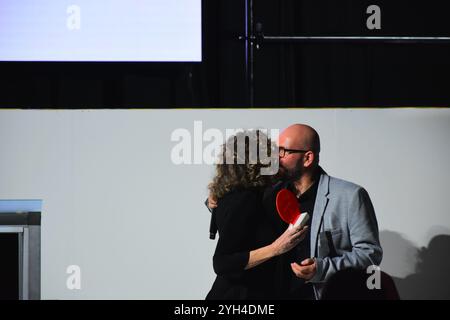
343 228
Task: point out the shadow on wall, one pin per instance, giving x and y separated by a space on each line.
427 268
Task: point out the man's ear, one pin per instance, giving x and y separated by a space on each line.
309 159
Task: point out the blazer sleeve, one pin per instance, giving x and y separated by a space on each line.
234 223
364 237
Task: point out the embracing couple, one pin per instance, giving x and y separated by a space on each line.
257 255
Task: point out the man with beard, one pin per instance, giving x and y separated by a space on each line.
343 227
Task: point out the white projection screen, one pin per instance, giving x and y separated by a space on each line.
101 30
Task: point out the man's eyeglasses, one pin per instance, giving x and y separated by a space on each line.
282 151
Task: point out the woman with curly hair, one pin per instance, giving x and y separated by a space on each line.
245 259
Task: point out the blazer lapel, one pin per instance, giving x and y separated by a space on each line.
319 210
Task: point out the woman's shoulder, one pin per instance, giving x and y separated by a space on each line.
239 205
242 196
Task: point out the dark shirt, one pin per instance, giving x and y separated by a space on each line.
306 203
299 289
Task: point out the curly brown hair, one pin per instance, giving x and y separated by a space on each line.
244 171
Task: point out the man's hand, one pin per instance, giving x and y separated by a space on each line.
306 269
212 203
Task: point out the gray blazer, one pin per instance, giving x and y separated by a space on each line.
344 230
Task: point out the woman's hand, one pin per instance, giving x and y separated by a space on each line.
212 203
289 239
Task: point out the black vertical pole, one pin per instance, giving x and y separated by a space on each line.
249 51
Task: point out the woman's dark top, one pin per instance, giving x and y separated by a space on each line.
244 225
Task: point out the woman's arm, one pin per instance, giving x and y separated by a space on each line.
288 240
235 221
